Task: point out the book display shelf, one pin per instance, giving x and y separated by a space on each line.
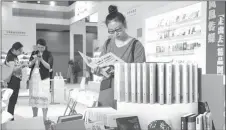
176 35
157 91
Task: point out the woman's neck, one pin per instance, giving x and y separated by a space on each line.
123 39
122 42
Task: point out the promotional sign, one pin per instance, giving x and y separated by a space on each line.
215 47
84 9
13 33
215 51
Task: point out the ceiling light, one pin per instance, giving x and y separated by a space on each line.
38 2
52 3
14 2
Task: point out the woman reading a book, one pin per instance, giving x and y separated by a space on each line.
123 46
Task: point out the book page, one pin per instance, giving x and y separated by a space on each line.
105 60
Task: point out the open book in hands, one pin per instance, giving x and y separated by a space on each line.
104 62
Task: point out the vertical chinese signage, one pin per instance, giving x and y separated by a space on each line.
215 37
215 52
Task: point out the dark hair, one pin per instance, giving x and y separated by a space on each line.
41 42
16 46
115 15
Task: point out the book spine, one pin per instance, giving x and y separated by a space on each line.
152 82
183 123
139 83
116 81
145 83
185 82
122 82
196 82
204 121
161 92
191 84
127 83
133 83
209 121
168 84
177 83
199 124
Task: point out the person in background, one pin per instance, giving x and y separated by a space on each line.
41 61
14 81
122 45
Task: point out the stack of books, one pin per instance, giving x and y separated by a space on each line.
161 83
197 122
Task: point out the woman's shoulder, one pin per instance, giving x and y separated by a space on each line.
137 42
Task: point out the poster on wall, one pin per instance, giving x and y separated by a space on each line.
215 47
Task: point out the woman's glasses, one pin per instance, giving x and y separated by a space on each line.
116 30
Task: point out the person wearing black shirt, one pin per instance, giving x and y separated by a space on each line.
14 82
41 62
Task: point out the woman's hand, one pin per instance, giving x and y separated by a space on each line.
95 70
5 84
106 71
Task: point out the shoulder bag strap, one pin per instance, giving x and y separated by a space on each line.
133 49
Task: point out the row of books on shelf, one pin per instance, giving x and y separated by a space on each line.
179 18
186 31
181 46
163 83
197 121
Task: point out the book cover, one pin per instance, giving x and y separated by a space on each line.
192 122
152 83
110 119
184 121
69 118
139 83
133 82
128 123
161 83
168 81
145 70
127 82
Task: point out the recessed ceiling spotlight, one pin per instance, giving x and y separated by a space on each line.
38 2
14 2
52 3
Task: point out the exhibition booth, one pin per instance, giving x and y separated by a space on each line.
180 86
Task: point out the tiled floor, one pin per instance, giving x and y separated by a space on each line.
23 110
